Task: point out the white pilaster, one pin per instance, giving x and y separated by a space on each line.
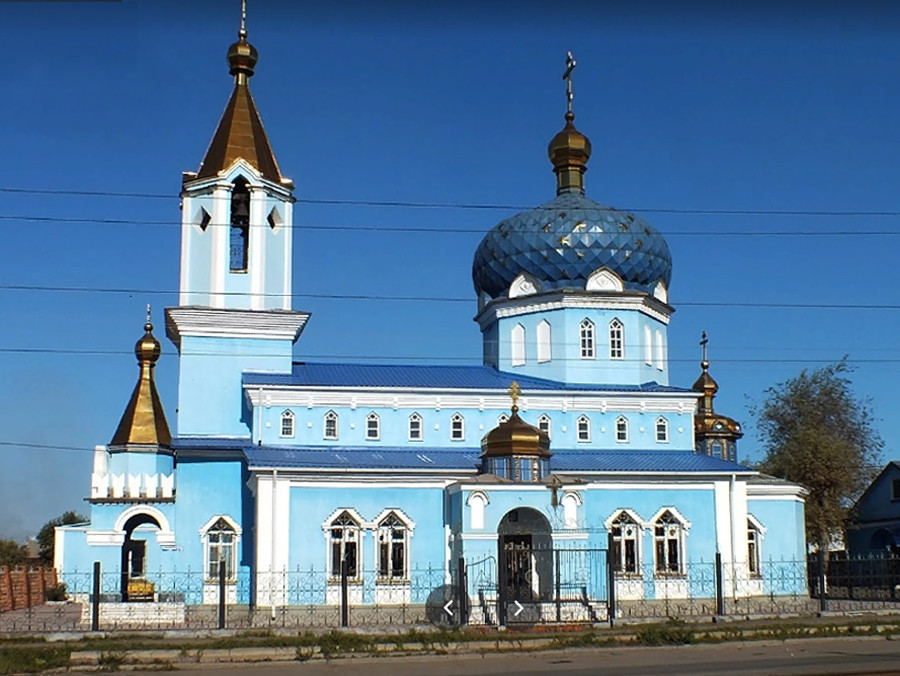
221 231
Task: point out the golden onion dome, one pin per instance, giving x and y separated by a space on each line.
242 56
569 152
147 349
515 437
705 383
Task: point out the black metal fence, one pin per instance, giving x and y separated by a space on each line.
520 585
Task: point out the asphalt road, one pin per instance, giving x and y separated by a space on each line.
872 656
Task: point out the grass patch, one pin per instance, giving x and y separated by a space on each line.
111 661
671 632
32 660
584 640
337 643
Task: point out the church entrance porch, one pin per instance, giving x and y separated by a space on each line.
134 583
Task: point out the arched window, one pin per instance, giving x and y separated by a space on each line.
660 351
668 537
544 424
330 425
626 532
220 540
621 429
287 424
662 430
343 542
517 345
415 427
586 334
477 502
392 536
583 427
373 426
543 341
648 345
616 340
240 226
457 428
570 503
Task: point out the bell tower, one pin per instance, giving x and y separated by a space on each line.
234 307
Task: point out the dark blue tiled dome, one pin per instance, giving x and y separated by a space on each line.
562 242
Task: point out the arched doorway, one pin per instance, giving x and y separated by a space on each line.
134 586
525 556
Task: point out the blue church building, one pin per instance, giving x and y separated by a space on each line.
569 436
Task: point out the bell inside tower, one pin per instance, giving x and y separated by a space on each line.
240 226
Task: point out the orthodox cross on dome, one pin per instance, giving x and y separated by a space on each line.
703 341
567 76
243 32
514 392
148 313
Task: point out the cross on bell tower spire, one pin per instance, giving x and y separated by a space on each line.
567 76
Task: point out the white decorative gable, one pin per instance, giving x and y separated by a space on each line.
660 292
524 285
604 279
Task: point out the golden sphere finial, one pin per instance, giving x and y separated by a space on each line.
147 349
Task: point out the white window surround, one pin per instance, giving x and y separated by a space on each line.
517 345
287 424
661 428
755 534
648 345
669 544
343 532
627 530
477 501
415 427
586 339
621 430
211 535
544 349
373 427
393 532
570 502
583 429
502 418
616 339
545 424
330 429
457 427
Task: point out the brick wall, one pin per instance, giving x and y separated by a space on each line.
24 587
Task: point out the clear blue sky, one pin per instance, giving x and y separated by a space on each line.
767 106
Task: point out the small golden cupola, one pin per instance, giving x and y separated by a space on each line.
143 425
514 449
715 435
569 150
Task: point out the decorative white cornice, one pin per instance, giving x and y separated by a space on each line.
585 300
192 187
232 323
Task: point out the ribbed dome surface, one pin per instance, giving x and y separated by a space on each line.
562 242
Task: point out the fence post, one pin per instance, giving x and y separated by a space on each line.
345 592
221 594
501 585
462 591
610 581
558 588
823 596
720 586
95 599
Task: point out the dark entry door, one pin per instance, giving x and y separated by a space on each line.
134 554
517 563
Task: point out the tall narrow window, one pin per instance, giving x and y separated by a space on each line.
373 426
616 340
220 540
660 351
517 345
393 543
583 427
330 425
621 429
544 424
586 335
415 427
648 345
343 540
753 554
457 427
543 341
625 532
287 424
240 226
668 537
662 430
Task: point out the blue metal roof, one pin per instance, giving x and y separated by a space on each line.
323 374
466 459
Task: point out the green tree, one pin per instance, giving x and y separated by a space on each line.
816 432
12 553
47 535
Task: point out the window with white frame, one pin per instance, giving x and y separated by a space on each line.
662 430
543 341
544 424
457 427
616 340
754 546
648 345
343 545
330 425
621 429
373 426
502 418
626 539
583 428
660 351
668 537
393 546
586 336
415 427
287 424
517 345
220 543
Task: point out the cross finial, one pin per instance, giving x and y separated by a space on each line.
243 32
703 341
567 76
148 326
514 392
